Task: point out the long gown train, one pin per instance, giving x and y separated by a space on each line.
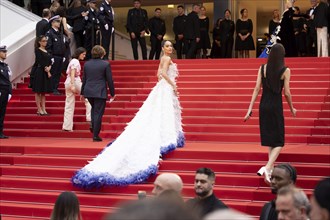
155 130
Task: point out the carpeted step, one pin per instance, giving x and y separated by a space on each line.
233 180
64 168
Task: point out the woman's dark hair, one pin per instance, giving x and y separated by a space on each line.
38 39
78 51
66 207
242 11
217 23
228 11
61 11
163 43
98 52
275 65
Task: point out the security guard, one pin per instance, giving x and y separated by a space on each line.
106 16
56 47
179 24
137 27
157 30
91 28
5 87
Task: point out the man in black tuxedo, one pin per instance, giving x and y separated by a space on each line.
157 30
179 24
43 26
192 32
137 27
97 73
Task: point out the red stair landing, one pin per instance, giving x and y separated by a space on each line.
214 94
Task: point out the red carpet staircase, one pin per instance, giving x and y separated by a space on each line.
214 95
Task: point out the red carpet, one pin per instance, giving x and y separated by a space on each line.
214 94
35 170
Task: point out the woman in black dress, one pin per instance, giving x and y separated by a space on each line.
244 41
216 46
204 26
41 82
273 77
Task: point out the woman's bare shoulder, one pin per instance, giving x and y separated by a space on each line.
166 59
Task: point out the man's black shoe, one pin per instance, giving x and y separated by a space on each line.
2 136
97 139
56 92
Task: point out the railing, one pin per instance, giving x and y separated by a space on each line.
18 34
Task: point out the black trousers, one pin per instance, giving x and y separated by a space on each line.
56 71
155 48
80 38
92 38
227 47
179 44
106 39
134 43
98 107
3 104
191 46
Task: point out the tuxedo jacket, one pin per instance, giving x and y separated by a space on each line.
97 75
192 26
42 27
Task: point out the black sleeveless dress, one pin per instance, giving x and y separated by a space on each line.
271 119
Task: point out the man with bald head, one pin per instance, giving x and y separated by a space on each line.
167 181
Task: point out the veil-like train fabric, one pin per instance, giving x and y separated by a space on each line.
155 130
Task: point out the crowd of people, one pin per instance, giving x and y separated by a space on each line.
167 200
303 34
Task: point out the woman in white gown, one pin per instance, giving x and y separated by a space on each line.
155 130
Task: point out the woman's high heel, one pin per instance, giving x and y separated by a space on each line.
263 171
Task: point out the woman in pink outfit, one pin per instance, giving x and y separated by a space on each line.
72 87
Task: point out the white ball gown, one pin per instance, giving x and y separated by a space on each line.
155 130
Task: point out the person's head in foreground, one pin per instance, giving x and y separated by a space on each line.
320 201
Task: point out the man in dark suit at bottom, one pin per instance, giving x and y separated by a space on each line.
97 73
